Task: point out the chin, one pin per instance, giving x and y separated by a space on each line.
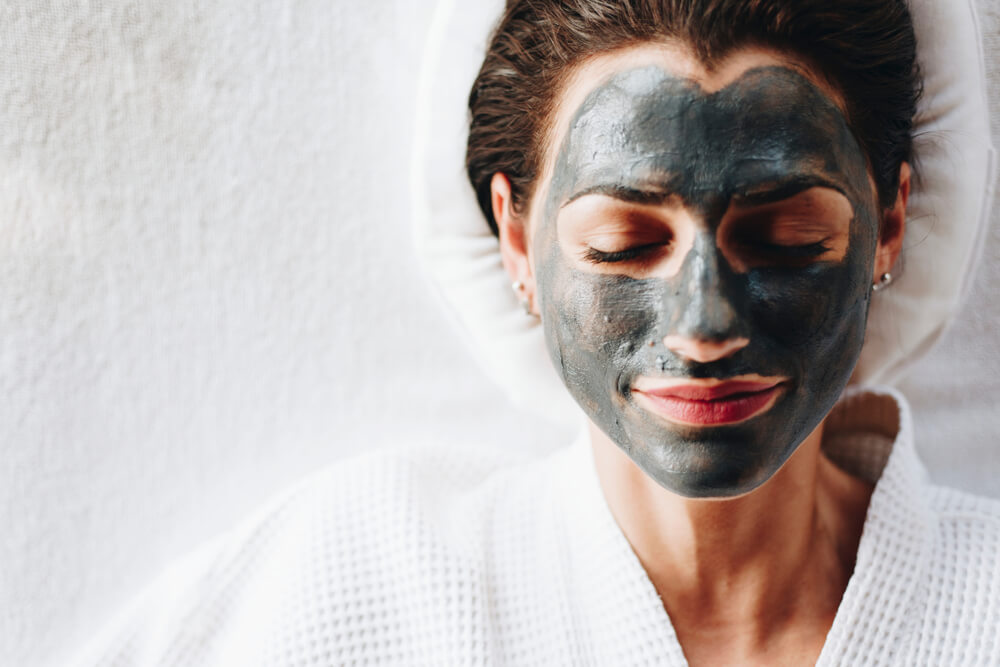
704 469
717 462
725 481
722 461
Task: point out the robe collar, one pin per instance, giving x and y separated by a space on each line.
869 433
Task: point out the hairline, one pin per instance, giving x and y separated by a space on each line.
557 119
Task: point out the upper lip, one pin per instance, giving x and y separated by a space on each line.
705 389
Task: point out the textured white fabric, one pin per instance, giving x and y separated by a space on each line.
451 236
468 558
954 389
947 217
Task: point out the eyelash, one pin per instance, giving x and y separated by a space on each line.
807 251
595 256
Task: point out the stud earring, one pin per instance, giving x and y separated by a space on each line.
883 282
522 298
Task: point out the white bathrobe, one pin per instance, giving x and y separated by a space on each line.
470 557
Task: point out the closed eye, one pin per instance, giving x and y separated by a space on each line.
802 251
595 256
810 227
604 235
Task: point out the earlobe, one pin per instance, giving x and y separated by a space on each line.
514 241
893 228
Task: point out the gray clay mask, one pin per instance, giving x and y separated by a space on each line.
651 148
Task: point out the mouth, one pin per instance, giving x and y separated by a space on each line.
708 402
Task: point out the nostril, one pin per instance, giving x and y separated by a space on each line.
704 351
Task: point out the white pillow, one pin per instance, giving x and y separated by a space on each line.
947 218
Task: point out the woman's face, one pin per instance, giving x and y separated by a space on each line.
702 249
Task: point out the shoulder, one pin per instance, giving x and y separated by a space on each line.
955 505
411 509
968 536
402 509
352 558
381 477
961 579
375 506
444 491
968 531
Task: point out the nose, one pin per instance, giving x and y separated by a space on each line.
706 325
703 351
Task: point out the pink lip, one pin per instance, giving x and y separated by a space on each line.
710 404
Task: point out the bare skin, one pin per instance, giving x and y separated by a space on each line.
754 579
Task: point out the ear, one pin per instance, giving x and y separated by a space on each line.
514 239
890 240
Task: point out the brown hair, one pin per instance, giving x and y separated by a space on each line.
865 48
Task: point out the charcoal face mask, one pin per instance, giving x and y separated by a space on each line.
804 321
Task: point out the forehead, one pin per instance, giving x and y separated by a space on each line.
646 127
654 108
675 59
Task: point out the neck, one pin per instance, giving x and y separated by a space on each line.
756 562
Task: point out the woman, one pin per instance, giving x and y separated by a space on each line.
699 206
698 200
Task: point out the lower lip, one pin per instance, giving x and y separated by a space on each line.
727 410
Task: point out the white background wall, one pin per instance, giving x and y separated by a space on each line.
207 287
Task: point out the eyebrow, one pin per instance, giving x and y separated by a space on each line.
748 195
624 193
785 188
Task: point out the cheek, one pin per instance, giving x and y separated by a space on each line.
597 327
819 308
599 313
792 308
622 311
817 314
